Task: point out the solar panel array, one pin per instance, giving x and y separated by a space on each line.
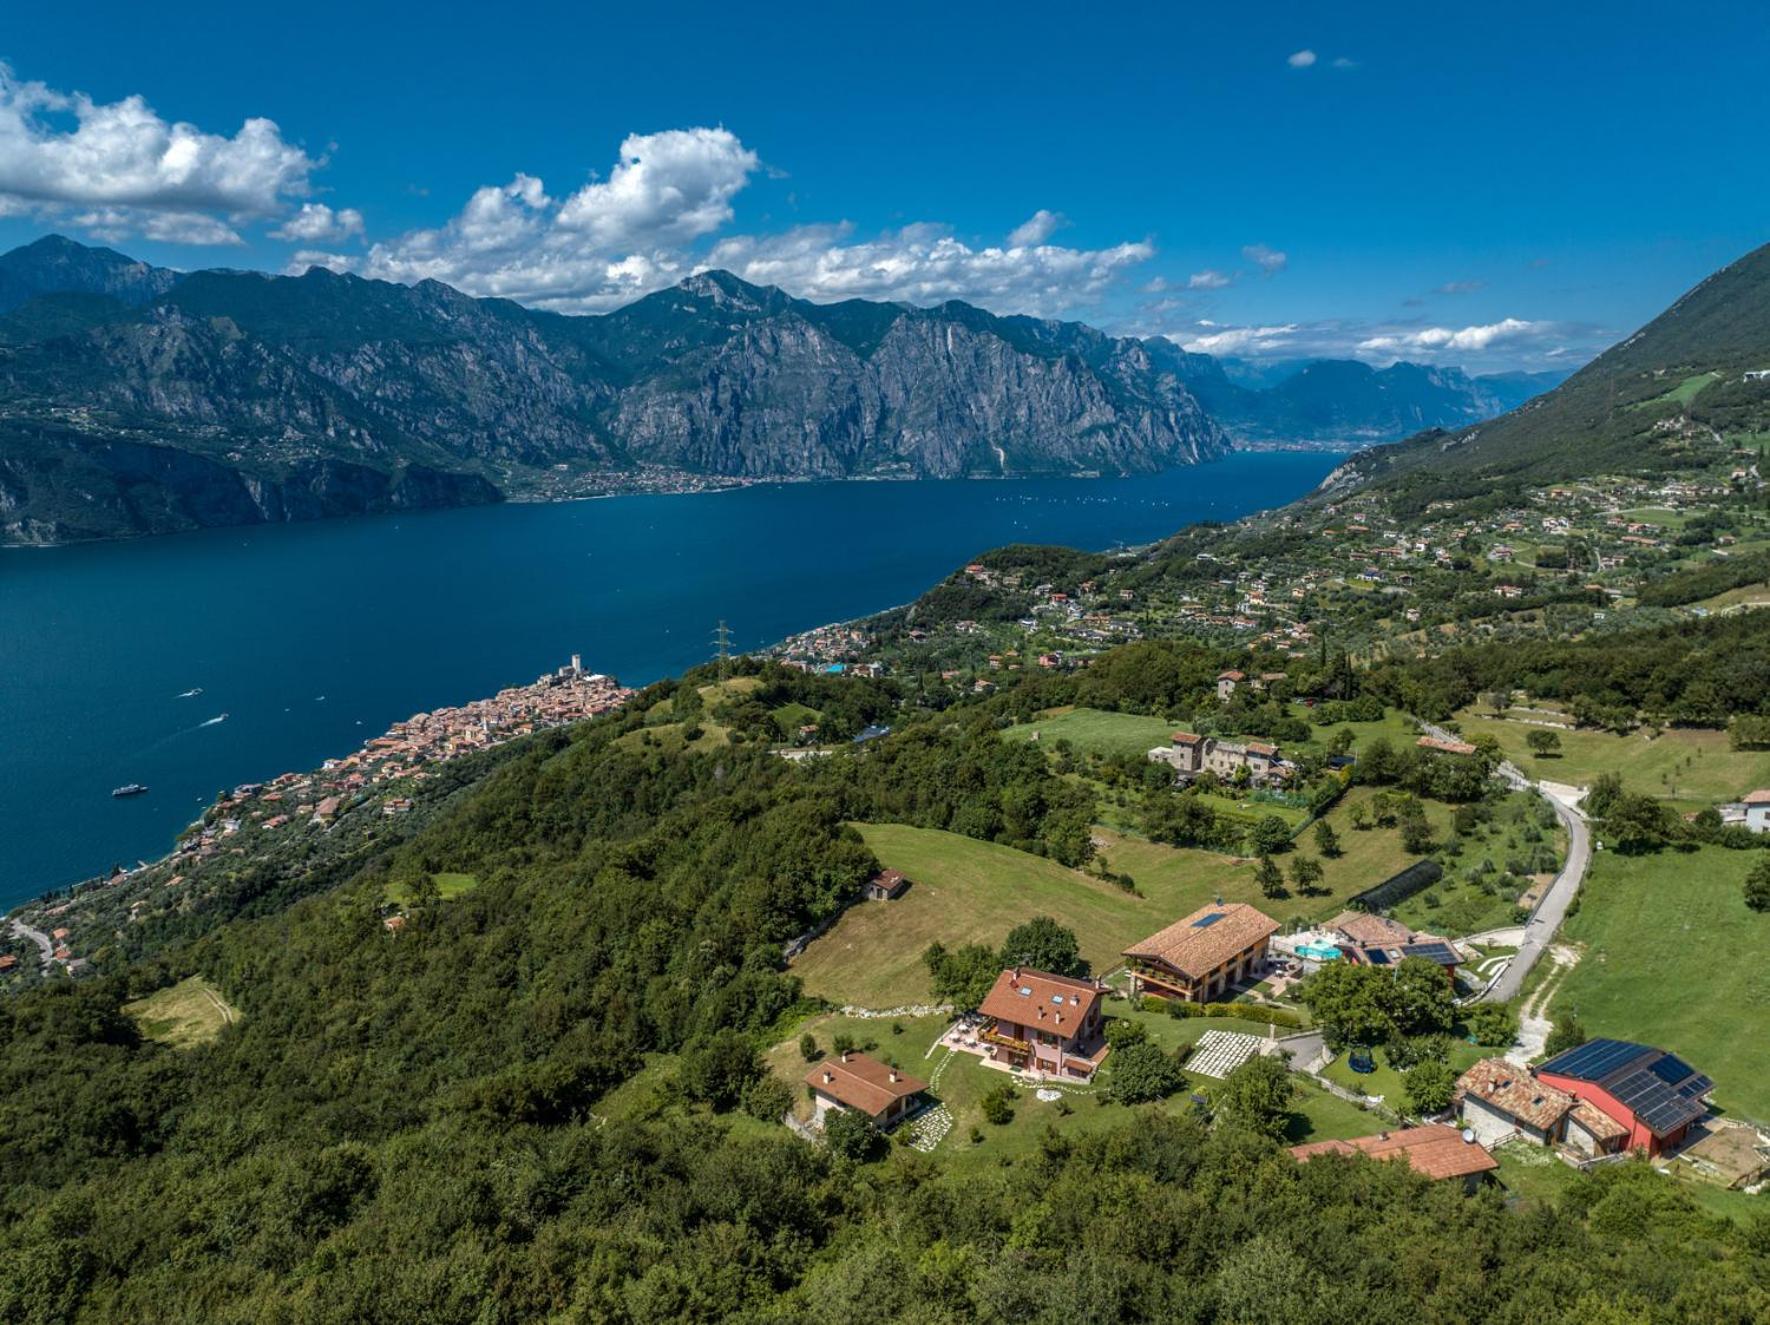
1595 1059
1432 952
1205 922
1660 1089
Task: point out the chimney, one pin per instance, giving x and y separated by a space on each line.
1382 1136
893 1075
845 1055
829 1077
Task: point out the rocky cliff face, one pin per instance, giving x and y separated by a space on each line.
127 398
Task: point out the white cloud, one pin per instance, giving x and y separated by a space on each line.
317 223
1341 62
114 225
1251 341
135 173
1209 279
1300 59
926 264
1460 287
609 242
1036 229
1446 338
1508 343
1268 260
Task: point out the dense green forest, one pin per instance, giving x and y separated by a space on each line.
416 1127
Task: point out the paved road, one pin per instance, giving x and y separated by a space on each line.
20 930
1539 931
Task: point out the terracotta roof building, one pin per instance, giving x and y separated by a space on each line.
1437 1151
885 886
1200 957
1369 939
1044 1023
1497 1098
863 1085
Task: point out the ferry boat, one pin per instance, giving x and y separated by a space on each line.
130 789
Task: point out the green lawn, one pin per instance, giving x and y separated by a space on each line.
448 884
1386 1081
1095 731
1673 958
963 891
960 1080
1188 879
1684 765
189 1013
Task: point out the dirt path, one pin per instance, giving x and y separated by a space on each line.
1534 1022
227 1014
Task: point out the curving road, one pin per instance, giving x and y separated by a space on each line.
20 930
1539 931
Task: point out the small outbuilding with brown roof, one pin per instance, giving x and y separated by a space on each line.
1203 955
1437 1151
865 1086
885 886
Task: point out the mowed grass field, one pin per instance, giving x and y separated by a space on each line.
1096 731
966 891
1673 958
1689 767
183 1015
448 884
961 891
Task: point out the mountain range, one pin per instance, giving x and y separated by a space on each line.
1348 402
135 399
1658 401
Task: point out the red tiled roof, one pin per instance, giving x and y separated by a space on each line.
862 1083
1054 1003
1761 797
1196 945
1514 1091
1434 1150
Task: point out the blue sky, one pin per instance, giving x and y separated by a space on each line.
1496 186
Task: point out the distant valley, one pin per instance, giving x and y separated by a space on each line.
138 400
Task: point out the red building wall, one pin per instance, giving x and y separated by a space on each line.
1640 1138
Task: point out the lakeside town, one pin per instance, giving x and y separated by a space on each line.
380 777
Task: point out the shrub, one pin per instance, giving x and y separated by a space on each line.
1140 1072
808 1049
767 1098
851 1135
998 1104
1120 1032
1430 1086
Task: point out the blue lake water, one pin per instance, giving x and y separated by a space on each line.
312 637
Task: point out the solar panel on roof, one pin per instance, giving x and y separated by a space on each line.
1594 1060
1432 952
1205 922
1377 957
1671 1069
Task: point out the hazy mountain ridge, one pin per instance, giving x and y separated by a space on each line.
1346 400
284 380
1659 400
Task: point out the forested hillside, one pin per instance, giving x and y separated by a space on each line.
1659 401
535 1101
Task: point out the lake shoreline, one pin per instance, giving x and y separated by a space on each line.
313 634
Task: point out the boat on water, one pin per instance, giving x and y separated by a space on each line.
191 693
130 789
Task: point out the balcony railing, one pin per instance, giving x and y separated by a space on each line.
993 1036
